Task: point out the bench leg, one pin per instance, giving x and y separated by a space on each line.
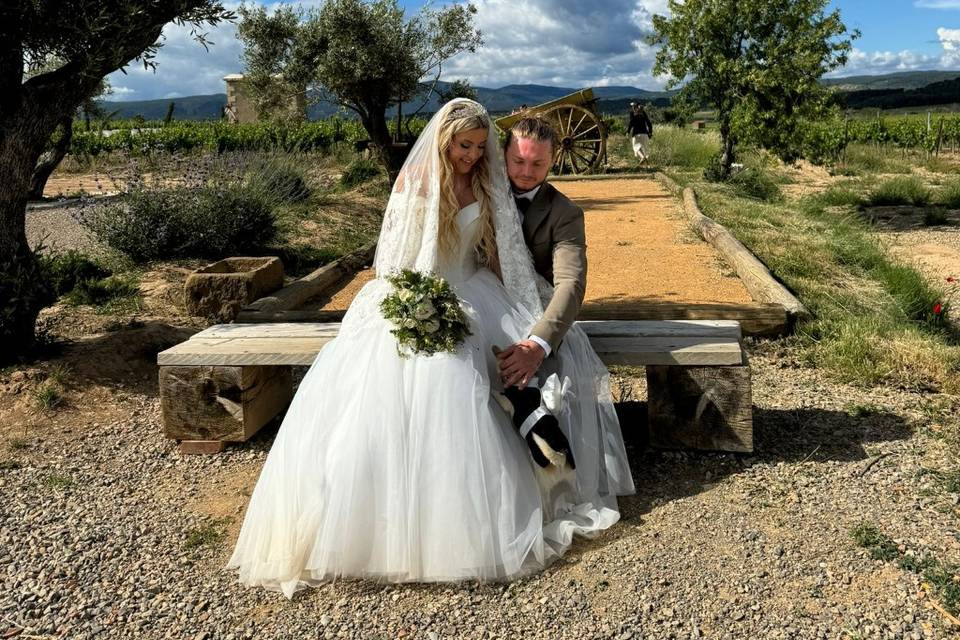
700 408
222 403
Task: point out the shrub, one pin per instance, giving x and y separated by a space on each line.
280 179
23 289
358 172
756 183
838 196
949 195
905 190
64 271
207 221
96 292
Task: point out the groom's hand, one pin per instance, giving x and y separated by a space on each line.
519 362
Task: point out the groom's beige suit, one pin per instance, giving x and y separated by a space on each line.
553 229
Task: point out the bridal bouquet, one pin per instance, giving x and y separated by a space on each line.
426 313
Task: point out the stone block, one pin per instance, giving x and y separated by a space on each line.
221 289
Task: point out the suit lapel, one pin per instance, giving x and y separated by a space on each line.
537 213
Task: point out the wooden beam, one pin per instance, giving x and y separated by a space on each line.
756 319
758 280
633 343
221 403
296 293
700 408
290 315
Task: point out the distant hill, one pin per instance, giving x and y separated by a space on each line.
186 108
502 100
899 80
935 93
870 91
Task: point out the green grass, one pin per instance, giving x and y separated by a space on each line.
869 537
863 410
868 158
114 294
902 190
675 147
944 578
58 481
949 195
18 444
206 535
873 320
48 397
10 465
840 196
59 374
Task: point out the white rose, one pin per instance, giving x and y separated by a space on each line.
410 323
405 295
431 326
424 310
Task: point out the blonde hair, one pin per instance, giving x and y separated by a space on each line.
460 117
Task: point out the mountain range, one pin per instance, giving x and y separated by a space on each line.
505 99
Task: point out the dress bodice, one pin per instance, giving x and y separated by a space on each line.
463 264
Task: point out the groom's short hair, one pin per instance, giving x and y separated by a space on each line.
533 129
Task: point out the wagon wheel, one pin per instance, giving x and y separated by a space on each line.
583 139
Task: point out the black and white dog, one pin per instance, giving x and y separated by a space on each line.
534 412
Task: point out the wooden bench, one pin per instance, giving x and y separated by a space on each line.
228 380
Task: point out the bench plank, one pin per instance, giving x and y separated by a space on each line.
303 351
635 328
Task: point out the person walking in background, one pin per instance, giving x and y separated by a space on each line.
641 129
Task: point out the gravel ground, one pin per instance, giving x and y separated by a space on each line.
56 227
107 531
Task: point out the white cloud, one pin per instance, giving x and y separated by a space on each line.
555 42
566 42
184 67
937 4
949 39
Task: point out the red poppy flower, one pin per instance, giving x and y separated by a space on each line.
937 308
951 279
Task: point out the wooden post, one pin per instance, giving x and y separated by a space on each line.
224 403
700 408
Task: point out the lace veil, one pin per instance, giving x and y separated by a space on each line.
409 237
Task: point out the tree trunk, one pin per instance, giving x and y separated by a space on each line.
23 290
51 159
375 122
727 142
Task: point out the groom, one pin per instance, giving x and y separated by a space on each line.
553 229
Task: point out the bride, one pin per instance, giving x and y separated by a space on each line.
407 469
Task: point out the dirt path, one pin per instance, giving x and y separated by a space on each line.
639 249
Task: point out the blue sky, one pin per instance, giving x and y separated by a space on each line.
573 43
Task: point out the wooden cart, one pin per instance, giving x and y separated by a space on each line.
583 136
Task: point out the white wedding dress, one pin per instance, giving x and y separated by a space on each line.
400 469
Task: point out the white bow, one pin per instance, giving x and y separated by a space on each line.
554 398
555 395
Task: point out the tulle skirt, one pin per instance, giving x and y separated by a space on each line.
406 469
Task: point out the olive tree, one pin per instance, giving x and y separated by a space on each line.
758 63
90 39
365 55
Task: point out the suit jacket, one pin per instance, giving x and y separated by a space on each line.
553 229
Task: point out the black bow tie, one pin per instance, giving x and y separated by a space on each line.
522 204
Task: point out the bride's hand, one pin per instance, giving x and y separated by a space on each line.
519 362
